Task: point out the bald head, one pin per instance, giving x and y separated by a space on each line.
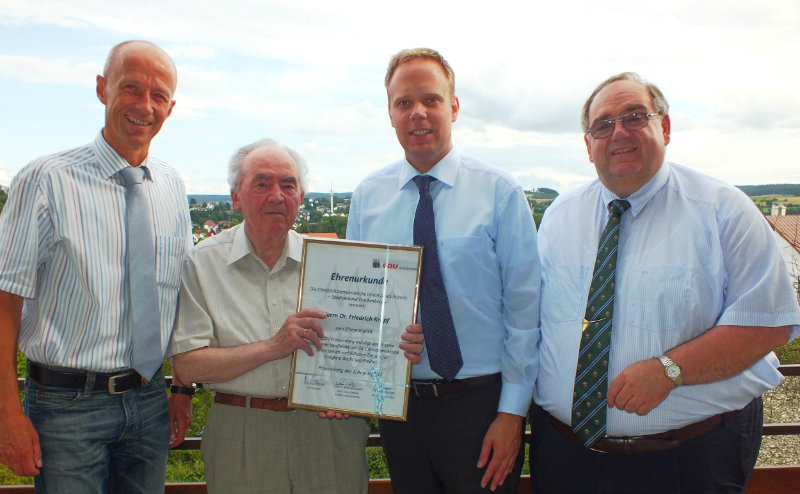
117 54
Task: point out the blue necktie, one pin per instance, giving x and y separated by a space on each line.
591 377
141 257
441 341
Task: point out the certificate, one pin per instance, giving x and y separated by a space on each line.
369 292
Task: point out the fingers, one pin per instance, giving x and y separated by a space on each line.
303 330
412 343
330 414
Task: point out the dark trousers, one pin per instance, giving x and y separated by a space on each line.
437 448
719 461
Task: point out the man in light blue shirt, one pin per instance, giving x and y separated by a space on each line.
463 434
701 299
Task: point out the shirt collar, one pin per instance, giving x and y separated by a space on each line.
445 171
641 197
109 160
241 247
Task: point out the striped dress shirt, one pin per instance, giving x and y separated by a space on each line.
694 253
63 249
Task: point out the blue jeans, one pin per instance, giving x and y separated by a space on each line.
96 442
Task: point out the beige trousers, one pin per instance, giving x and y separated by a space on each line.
252 450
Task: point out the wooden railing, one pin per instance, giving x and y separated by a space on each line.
765 479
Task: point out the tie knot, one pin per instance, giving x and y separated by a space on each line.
618 206
423 183
132 175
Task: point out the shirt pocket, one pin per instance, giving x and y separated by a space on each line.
660 298
469 265
564 292
170 253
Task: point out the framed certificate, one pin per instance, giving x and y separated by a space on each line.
369 292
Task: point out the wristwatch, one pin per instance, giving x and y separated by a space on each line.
672 370
182 390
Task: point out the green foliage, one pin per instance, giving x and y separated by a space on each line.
7 477
3 196
376 459
542 193
771 189
790 353
185 466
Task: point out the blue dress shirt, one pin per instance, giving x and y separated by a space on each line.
488 256
694 253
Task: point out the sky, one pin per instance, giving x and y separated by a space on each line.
309 73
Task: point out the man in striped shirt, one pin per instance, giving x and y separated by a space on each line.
93 424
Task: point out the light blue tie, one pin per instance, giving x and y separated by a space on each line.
144 308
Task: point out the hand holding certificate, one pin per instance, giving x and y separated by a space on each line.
369 293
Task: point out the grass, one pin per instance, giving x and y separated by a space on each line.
788 200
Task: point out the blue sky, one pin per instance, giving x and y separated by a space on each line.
310 74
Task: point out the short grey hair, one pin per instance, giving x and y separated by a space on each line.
656 96
237 160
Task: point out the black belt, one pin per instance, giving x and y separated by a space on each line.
113 382
434 388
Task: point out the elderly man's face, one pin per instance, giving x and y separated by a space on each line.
626 160
422 109
269 195
137 93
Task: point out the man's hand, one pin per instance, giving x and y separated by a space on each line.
640 387
299 331
329 414
19 444
411 343
502 441
180 417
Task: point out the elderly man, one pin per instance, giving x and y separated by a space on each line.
656 333
90 304
236 330
479 292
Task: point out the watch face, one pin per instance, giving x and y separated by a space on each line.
673 371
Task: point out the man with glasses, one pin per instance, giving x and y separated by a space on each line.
663 296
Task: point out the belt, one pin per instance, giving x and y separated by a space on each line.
652 443
113 382
435 388
274 404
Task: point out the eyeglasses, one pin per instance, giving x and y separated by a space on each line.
631 121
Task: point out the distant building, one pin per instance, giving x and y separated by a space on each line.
210 226
778 209
787 233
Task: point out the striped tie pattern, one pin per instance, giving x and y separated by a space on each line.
591 377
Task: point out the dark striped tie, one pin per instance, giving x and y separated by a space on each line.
591 377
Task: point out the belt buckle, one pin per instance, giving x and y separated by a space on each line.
432 385
112 384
